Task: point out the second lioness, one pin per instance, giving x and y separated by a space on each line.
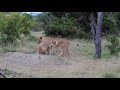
49 43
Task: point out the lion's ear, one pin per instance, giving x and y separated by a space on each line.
40 37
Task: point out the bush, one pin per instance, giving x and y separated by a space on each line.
31 38
12 25
61 27
37 26
114 46
9 48
82 34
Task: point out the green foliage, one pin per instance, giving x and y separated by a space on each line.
82 34
12 25
31 38
61 27
110 23
110 75
41 21
114 46
37 26
57 24
65 24
49 21
8 48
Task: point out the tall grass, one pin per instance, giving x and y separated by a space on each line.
84 49
87 48
28 42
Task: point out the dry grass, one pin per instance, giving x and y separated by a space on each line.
80 65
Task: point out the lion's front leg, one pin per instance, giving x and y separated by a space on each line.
62 52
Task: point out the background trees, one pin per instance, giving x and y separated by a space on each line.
81 25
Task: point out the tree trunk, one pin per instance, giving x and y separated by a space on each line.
98 34
96 24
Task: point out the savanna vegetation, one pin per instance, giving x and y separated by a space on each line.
83 25
93 35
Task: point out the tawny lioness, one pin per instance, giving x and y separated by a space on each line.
63 44
44 46
49 43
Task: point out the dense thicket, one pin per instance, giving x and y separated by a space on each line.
76 24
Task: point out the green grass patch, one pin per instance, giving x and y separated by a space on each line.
110 75
28 42
87 48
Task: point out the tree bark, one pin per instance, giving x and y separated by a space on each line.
98 34
96 24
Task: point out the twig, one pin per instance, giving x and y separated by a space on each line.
2 75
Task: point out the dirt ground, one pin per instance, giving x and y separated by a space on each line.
30 66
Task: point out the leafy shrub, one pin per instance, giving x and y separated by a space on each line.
12 25
9 48
114 46
31 38
61 27
37 26
82 34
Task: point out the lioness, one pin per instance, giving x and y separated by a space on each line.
44 47
63 44
49 43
